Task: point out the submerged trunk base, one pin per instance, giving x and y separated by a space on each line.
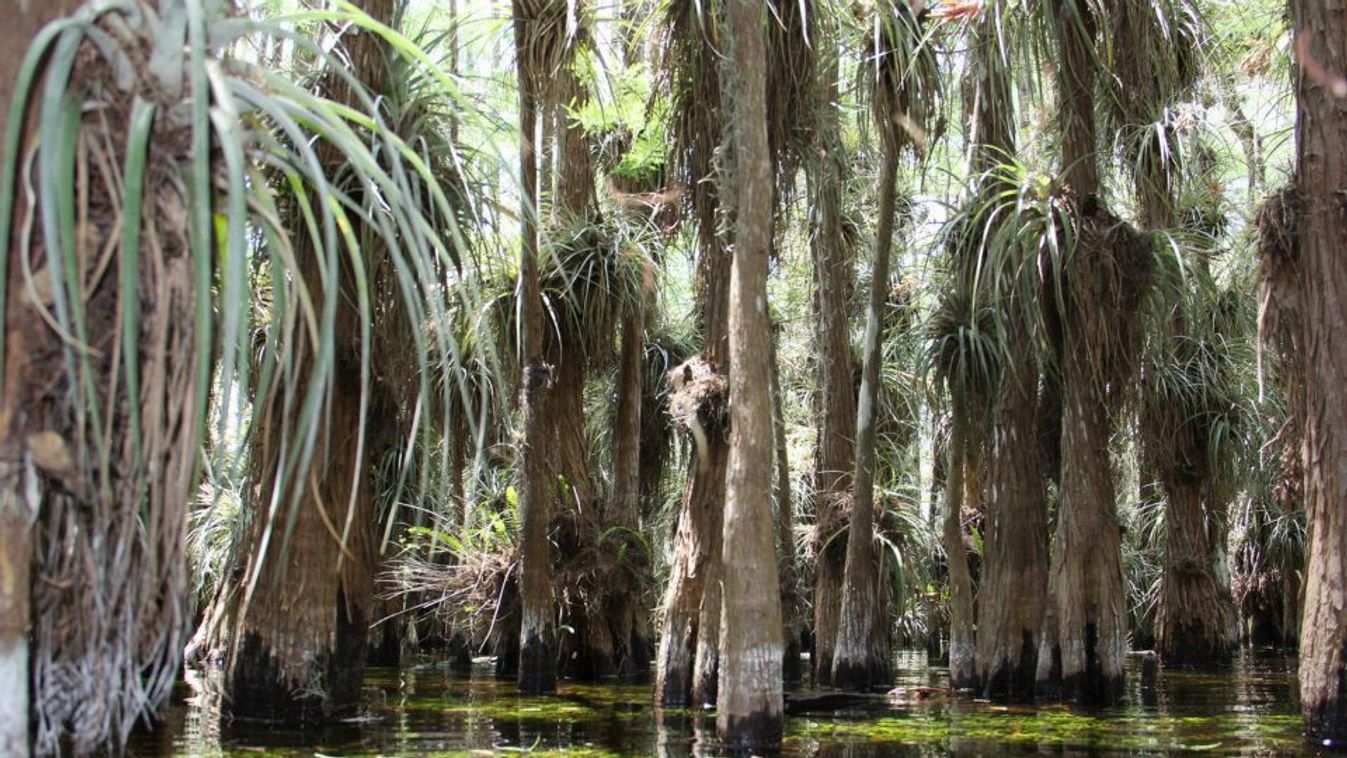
1013 680
538 663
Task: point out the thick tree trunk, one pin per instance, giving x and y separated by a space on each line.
299 643
1015 549
749 714
836 397
18 488
1085 642
299 646
1195 620
861 658
1321 173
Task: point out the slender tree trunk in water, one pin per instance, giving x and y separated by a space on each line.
537 635
686 639
861 658
299 645
834 454
792 605
961 650
1195 619
632 643
749 714
1321 173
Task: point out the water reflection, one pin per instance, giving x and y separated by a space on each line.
1247 708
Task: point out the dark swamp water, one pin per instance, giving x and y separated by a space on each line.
1248 708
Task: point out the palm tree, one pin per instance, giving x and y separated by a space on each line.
832 251
1101 278
904 84
687 667
749 713
1010 601
1321 175
132 358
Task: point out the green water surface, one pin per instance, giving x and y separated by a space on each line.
1247 708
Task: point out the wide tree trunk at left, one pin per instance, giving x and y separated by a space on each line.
299 643
749 713
17 510
1321 173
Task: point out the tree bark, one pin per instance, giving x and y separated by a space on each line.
687 604
861 658
298 649
792 604
1085 643
18 502
537 636
1321 173
749 714
834 454
961 638
1195 620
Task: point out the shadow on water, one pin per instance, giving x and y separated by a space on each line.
1247 708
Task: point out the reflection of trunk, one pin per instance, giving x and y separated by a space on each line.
693 597
1321 172
861 658
961 465
749 712
1195 621
537 636
836 398
1015 549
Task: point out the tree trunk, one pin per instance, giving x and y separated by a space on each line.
1084 642
1083 649
537 635
19 502
861 658
1195 621
696 564
298 649
1015 548
961 639
18 511
836 396
792 604
749 714
1321 173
